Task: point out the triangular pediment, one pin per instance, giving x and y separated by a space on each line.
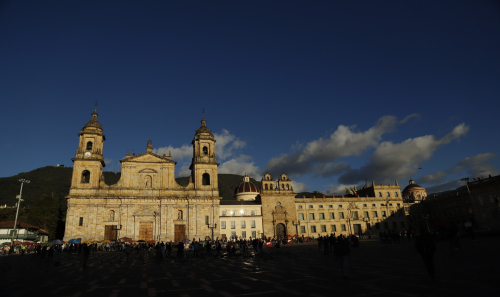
148 158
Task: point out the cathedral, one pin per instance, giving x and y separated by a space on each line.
148 204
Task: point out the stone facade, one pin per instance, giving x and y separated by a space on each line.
278 206
147 203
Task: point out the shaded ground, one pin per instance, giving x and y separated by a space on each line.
300 269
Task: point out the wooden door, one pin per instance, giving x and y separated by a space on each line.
180 233
110 232
146 231
280 230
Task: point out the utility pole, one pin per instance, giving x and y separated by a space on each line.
23 181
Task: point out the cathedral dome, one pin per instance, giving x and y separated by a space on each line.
413 186
246 191
414 192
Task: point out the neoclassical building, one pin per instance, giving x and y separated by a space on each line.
375 208
146 203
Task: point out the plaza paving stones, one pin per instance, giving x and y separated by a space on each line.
298 270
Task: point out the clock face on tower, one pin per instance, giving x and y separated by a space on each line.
88 154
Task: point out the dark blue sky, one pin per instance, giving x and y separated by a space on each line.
318 90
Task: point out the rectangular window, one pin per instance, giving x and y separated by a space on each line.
375 215
366 214
223 212
252 224
340 206
206 220
233 234
243 224
392 212
321 206
330 206
252 212
383 213
244 234
321 216
334 228
254 234
323 228
343 227
310 206
332 216
301 216
302 229
223 224
373 205
341 215
300 206
233 225
81 221
355 215
311 216
364 205
313 229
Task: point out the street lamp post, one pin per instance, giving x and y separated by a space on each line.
23 181
296 228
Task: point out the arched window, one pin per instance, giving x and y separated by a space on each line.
396 194
205 179
287 187
89 146
111 215
282 186
266 187
388 194
205 150
380 194
85 176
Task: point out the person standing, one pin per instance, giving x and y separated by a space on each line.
426 247
342 251
86 254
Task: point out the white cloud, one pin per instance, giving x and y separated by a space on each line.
400 160
178 154
342 143
226 144
299 187
241 165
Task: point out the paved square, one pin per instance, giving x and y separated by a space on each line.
299 270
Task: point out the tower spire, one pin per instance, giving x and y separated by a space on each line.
203 121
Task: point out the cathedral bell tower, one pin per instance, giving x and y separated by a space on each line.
88 161
204 163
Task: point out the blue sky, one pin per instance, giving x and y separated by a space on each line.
333 93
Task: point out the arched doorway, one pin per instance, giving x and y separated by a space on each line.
280 230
